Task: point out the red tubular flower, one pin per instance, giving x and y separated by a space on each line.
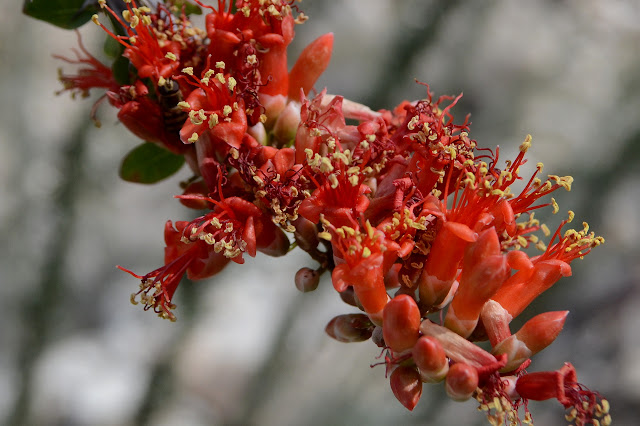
442 264
363 258
586 406
457 348
535 335
267 27
461 381
214 109
197 260
524 286
151 56
430 359
311 63
484 270
401 323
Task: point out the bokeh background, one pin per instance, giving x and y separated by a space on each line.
248 349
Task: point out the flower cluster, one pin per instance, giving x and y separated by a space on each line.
419 228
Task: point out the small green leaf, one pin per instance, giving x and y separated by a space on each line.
189 8
149 163
120 70
68 14
112 48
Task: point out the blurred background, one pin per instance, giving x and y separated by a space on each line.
248 348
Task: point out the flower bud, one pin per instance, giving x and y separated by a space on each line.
307 279
311 63
350 328
442 264
406 386
430 359
484 270
496 321
457 348
348 296
535 335
377 337
286 125
461 381
401 323
306 234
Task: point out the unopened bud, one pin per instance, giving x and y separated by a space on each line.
461 381
350 328
286 127
307 279
535 335
430 359
401 323
406 386
377 337
306 234
348 296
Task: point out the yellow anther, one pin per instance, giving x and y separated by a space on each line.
524 147
195 117
413 122
194 137
231 83
571 216
146 20
326 166
556 208
213 120
226 110
366 252
220 64
324 236
95 19
171 56
188 70
184 105
333 181
221 78
208 74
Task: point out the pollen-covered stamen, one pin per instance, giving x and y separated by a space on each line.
573 244
157 287
94 75
219 229
155 43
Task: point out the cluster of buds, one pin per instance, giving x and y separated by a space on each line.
418 227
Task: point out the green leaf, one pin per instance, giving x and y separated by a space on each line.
120 70
112 48
189 8
68 14
149 163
